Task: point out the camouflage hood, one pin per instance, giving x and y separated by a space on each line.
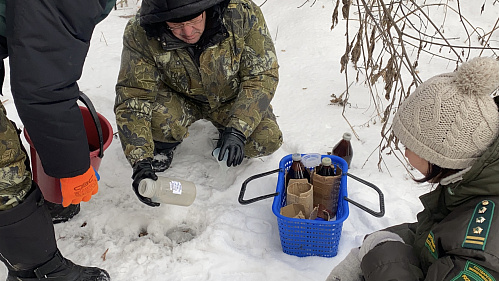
154 11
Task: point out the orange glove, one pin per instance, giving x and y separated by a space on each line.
79 188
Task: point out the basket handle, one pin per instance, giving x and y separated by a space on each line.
241 199
364 208
88 103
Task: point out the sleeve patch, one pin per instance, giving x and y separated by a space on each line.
479 226
473 272
430 244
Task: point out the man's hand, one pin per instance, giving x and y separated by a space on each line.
232 142
143 170
79 188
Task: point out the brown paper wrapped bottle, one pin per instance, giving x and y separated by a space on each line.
344 149
325 169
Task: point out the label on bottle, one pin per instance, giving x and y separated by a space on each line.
176 187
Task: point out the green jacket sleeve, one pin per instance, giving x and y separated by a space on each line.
394 261
258 72
135 91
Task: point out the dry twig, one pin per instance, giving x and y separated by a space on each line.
390 38
103 257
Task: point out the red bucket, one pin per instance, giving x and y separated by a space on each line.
50 186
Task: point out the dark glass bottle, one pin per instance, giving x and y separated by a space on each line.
325 169
297 169
344 149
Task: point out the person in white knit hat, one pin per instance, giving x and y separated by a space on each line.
450 127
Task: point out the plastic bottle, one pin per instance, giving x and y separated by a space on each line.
168 191
311 160
344 149
223 162
325 169
297 169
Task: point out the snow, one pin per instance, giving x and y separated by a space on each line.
216 238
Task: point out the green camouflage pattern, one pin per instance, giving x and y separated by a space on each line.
161 92
15 178
172 116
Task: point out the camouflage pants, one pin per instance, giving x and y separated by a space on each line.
173 114
15 177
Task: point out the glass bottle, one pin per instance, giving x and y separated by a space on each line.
344 149
297 169
168 191
325 169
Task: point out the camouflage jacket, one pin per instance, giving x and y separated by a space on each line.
237 65
455 237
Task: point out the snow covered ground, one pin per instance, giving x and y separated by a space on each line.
216 238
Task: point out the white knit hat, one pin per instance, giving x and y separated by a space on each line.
451 119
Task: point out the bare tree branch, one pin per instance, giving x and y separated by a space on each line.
389 38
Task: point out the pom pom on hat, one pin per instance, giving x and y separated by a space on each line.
451 119
479 76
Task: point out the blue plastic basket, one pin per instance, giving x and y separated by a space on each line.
302 237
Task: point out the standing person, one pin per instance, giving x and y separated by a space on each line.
46 42
185 60
450 127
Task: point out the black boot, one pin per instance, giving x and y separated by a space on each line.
163 155
62 214
28 247
60 269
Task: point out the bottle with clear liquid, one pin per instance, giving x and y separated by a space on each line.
325 169
344 149
168 191
297 169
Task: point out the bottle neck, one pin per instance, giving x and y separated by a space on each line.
147 188
298 164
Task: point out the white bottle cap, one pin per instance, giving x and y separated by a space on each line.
147 188
326 161
347 136
296 157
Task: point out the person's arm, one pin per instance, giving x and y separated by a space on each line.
258 72
383 255
453 267
392 260
135 92
47 45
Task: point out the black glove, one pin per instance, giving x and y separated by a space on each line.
232 142
143 170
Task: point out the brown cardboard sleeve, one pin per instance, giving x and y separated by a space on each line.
296 211
301 193
291 181
326 191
